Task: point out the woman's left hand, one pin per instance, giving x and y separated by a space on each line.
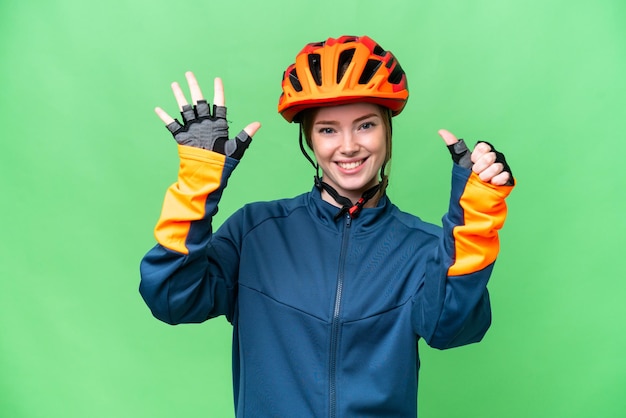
485 161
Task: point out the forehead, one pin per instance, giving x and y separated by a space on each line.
347 111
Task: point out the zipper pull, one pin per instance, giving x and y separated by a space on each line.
348 220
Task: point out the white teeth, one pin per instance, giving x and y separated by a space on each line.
350 166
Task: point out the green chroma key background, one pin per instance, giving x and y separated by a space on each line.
85 163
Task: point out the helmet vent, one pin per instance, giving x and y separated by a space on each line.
293 79
370 69
316 68
396 75
378 50
345 58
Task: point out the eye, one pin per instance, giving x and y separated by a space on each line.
367 125
325 130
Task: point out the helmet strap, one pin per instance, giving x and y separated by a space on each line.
352 210
306 154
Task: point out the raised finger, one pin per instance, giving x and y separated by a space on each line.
194 87
162 114
218 92
179 95
448 137
252 128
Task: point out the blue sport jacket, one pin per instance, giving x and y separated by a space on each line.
326 313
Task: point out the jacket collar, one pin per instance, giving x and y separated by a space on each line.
369 218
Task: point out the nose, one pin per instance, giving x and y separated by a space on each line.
349 144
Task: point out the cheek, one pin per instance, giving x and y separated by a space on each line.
379 147
319 153
321 149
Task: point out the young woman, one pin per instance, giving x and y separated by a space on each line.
328 292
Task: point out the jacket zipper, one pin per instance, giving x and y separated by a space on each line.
334 336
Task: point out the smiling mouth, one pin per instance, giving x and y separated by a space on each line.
351 165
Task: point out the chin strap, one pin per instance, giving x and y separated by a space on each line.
353 210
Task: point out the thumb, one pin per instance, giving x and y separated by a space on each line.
458 150
252 128
448 137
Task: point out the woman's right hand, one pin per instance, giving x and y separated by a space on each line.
202 128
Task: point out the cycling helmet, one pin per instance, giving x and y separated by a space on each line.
339 71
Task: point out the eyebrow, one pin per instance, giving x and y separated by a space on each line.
334 122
